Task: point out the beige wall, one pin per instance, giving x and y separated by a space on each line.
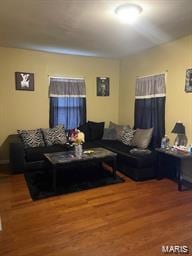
175 57
28 110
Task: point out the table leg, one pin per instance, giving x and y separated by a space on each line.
179 175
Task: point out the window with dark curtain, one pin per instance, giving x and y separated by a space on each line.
150 105
67 102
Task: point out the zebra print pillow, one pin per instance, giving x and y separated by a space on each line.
54 135
31 138
127 136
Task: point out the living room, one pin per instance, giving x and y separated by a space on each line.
28 110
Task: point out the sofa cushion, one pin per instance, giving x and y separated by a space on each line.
123 151
31 138
109 134
127 136
53 136
96 130
137 161
36 154
119 128
142 138
85 129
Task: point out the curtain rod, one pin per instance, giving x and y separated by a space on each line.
66 77
164 72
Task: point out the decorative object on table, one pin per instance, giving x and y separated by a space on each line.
188 80
78 150
24 81
77 138
165 142
181 139
189 149
180 149
102 86
88 152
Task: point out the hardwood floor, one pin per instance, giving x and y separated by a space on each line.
131 218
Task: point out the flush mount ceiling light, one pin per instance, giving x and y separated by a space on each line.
128 13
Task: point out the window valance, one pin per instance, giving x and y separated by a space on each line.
150 87
66 87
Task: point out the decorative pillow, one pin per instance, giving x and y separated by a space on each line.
142 138
85 129
119 128
127 136
109 134
31 138
54 135
96 130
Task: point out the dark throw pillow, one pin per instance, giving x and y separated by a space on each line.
53 136
96 130
109 134
31 138
85 129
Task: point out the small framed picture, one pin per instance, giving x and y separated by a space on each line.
102 86
24 81
188 80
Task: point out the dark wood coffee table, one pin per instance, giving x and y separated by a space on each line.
60 160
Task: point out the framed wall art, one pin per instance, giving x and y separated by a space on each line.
188 80
102 86
24 81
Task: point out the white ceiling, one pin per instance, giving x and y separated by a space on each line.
90 27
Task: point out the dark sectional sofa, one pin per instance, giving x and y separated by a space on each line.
138 167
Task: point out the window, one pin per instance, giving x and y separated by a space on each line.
67 102
150 105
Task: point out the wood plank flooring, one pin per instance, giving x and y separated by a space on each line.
132 218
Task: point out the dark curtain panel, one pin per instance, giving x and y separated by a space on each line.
151 113
69 111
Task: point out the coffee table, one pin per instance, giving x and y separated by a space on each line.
60 160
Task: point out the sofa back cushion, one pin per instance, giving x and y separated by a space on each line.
119 128
109 134
53 136
142 138
31 138
96 130
85 129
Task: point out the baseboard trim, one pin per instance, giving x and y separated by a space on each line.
4 161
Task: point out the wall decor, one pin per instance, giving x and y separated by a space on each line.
188 80
102 86
24 81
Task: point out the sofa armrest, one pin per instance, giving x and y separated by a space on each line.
17 157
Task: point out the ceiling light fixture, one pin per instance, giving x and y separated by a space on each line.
128 13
